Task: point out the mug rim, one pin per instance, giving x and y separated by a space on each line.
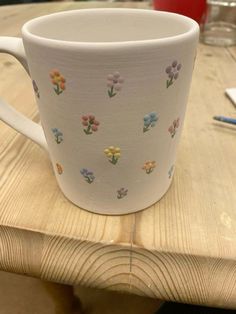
192 31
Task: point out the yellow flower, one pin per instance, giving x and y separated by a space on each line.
112 152
117 155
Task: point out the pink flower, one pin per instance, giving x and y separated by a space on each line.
91 117
110 77
117 86
90 124
171 129
94 128
109 83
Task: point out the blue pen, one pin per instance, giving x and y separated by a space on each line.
225 119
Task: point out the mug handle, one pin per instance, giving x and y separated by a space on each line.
14 46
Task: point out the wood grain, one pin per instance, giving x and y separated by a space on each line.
182 248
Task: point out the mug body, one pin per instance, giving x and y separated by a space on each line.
111 87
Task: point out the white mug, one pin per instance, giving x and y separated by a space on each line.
111 87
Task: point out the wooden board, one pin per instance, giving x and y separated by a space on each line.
182 248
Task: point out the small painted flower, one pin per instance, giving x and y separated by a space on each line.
58 135
36 90
173 128
149 121
59 168
121 193
173 72
114 83
90 124
170 172
88 175
58 80
113 154
149 166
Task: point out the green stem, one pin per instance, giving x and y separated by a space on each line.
149 170
169 82
88 130
146 128
111 92
57 89
114 160
88 179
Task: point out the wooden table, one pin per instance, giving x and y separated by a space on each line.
183 248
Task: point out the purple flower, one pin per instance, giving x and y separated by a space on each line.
173 72
88 175
122 192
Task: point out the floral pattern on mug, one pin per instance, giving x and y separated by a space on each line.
59 168
88 175
149 166
173 72
58 135
59 81
121 193
90 124
36 89
149 121
170 172
173 128
114 83
113 154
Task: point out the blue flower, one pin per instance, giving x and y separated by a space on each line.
146 117
149 121
153 116
58 135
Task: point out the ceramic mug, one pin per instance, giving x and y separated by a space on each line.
111 87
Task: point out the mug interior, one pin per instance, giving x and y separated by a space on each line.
109 25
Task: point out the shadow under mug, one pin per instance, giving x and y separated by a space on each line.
111 87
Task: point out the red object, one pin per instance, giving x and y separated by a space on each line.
192 8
